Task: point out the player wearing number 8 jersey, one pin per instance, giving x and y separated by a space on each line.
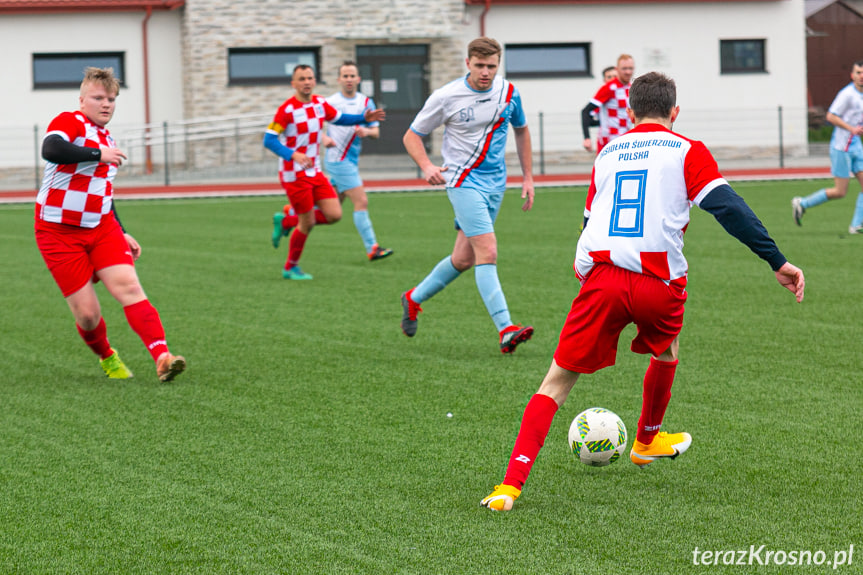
630 263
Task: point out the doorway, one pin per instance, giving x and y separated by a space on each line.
395 77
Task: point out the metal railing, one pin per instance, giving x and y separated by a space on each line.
230 147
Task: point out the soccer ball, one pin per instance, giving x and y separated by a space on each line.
597 437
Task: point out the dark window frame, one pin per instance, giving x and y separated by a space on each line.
272 80
539 74
119 69
740 69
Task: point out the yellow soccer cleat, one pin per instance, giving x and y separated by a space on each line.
663 445
114 367
502 498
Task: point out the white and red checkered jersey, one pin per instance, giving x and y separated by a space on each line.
77 194
642 188
612 99
299 125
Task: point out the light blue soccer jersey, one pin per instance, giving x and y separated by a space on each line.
848 105
475 128
348 145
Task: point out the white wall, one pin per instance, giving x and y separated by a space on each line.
681 40
22 107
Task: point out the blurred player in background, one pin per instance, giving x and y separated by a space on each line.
476 111
846 151
608 74
79 235
342 158
294 135
630 263
610 102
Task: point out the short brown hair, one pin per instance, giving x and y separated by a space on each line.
483 47
301 67
348 63
652 95
103 76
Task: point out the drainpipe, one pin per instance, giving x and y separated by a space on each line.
149 160
482 17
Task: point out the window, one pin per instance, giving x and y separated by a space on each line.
67 70
268 65
547 60
741 56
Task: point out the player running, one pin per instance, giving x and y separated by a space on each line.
79 235
294 135
846 151
476 111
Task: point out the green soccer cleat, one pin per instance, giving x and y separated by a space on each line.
115 368
295 273
278 232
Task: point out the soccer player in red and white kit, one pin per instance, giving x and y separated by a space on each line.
79 236
610 103
630 263
300 123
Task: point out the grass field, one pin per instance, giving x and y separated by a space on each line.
309 436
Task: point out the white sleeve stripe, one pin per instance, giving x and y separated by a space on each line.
57 133
707 189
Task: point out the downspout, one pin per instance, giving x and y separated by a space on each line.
482 17
144 36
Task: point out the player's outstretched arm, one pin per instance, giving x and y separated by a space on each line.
791 278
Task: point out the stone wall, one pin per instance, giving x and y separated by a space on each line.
211 27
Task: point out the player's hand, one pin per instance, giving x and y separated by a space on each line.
527 195
361 131
588 145
114 156
433 175
378 115
857 130
328 142
134 246
791 277
302 160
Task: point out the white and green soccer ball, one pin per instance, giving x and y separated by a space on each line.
597 437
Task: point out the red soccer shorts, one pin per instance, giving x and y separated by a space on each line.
74 254
610 299
305 192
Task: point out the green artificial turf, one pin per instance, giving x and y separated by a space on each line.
309 435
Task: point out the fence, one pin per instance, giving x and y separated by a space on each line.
230 147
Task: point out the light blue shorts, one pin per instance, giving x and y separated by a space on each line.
475 210
846 164
344 176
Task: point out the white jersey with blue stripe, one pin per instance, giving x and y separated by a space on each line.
475 128
348 145
848 105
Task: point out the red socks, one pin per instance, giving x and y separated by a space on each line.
289 221
295 248
657 394
97 339
144 320
535 424
320 218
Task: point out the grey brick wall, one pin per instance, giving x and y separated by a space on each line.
211 27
